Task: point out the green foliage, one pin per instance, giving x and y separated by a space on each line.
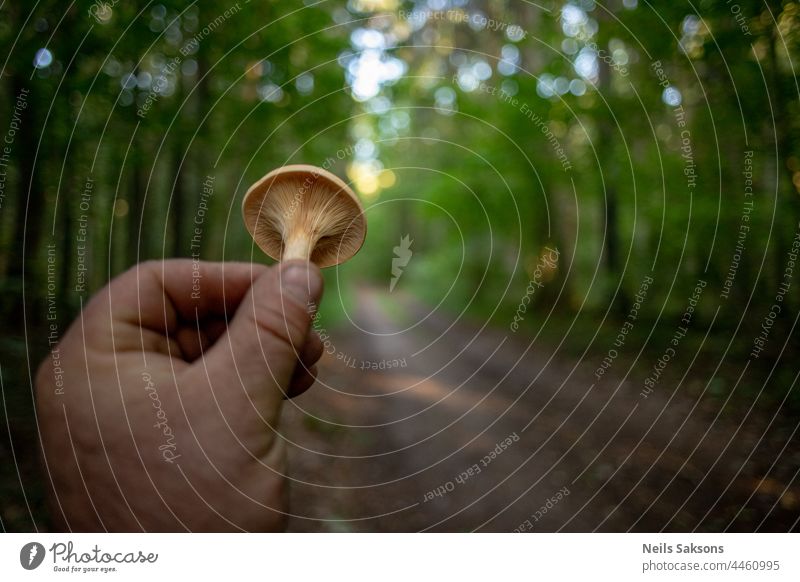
484 145
482 177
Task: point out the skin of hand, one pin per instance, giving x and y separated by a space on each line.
173 380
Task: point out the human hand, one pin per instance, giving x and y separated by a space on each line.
174 375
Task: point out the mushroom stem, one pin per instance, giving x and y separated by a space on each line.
298 246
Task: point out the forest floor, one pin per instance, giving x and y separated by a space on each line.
482 429
415 447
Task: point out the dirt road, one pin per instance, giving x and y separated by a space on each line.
462 428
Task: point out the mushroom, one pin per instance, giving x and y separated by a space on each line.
304 212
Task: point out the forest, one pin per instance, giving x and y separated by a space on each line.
611 185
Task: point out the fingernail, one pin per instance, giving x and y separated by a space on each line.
302 280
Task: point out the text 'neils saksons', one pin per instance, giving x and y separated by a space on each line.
663 548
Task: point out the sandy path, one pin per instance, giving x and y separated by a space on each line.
415 447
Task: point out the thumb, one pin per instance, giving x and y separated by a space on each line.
260 349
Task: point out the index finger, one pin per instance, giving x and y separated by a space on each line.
156 295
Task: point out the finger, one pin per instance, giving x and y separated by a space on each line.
302 379
191 342
157 294
260 349
312 351
194 339
214 328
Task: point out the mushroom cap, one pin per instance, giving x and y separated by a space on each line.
303 200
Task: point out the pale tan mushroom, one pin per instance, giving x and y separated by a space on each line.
304 212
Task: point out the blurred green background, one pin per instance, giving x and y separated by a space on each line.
636 138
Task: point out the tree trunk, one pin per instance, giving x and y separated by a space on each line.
609 199
786 195
30 210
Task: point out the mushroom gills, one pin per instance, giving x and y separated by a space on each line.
307 217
